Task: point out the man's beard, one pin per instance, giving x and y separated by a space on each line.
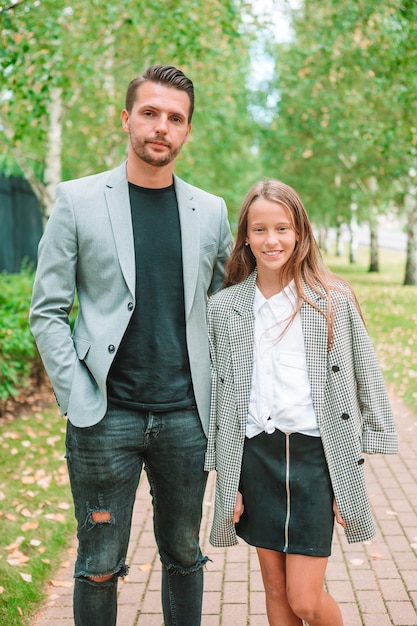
141 150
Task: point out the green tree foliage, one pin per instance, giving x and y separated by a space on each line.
343 126
85 53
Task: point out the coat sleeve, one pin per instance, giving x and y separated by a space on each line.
210 461
378 429
53 298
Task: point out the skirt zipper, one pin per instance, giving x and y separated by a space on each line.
287 489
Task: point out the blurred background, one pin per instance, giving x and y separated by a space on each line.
321 95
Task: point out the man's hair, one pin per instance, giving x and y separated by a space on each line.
167 75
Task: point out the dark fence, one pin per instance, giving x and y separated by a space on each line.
20 224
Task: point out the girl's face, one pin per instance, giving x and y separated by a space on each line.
270 235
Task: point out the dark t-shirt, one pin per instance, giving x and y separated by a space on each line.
151 369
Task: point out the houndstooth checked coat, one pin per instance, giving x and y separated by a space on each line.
349 396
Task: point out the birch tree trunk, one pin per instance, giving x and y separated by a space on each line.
53 160
372 184
411 261
353 244
373 243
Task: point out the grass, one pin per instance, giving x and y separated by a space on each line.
390 311
36 518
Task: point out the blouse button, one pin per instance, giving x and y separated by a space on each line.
130 306
111 348
335 368
361 461
345 416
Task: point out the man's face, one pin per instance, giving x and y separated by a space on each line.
158 123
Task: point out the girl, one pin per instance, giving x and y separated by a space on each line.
297 397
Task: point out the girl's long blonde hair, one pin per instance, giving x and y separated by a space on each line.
306 264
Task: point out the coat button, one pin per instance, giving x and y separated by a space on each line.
361 461
111 348
130 306
335 368
345 416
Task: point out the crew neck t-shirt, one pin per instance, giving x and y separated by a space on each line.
151 369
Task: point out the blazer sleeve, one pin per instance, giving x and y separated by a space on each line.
225 246
378 429
53 297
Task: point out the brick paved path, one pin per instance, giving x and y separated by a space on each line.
374 582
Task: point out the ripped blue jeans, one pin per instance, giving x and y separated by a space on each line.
105 462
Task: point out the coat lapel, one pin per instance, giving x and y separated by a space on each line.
189 214
118 204
241 332
315 341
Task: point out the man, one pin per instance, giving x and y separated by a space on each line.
142 249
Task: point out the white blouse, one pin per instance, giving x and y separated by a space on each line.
280 395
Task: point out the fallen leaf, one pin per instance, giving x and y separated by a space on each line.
1 589
44 482
389 512
356 561
13 546
375 555
26 577
35 542
64 506
28 480
57 517
61 583
29 526
145 567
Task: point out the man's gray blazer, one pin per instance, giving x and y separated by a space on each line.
87 249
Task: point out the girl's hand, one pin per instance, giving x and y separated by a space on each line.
239 508
337 515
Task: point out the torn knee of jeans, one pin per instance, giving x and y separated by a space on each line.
110 578
99 515
178 569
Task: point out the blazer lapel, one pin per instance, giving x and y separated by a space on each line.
189 214
241 332
315 340
118 204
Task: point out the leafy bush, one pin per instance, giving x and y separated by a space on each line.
18 353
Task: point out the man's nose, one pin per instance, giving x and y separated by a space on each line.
162 125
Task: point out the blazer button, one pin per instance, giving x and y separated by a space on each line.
361 461
111 348
335 368
345 416
130 306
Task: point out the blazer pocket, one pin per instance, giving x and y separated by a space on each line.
82 346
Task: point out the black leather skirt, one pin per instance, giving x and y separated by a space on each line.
287 494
